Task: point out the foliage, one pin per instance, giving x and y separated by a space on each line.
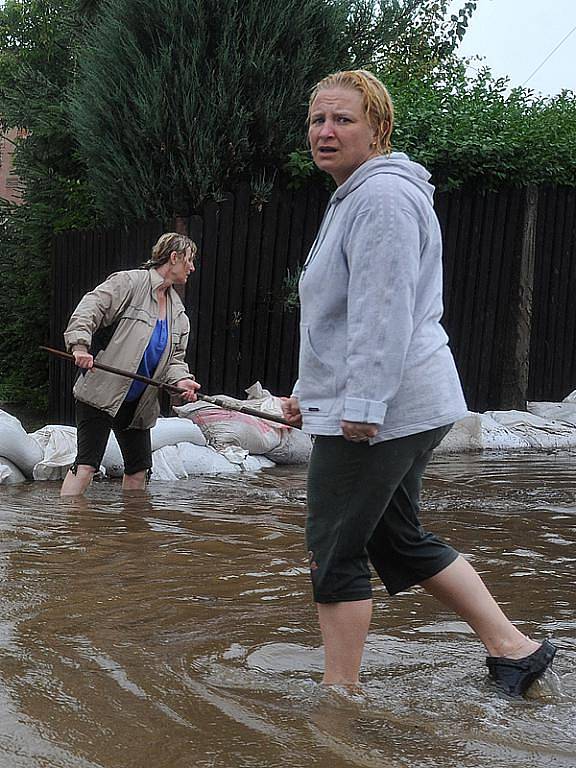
170 102
178 100
290 298
36 66
473 130
425 35
175 99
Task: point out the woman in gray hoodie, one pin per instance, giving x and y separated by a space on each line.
379 389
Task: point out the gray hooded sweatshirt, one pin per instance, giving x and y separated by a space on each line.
371 345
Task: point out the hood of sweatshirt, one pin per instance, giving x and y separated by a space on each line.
398 164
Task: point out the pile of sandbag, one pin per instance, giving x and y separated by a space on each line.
204 439
232 433
19 452
543 426
230 441
179 450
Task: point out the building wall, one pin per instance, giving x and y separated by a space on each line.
9 182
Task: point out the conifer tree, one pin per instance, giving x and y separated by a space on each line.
176 99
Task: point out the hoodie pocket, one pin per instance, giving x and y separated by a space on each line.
317 380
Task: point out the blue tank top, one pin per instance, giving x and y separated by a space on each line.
151 358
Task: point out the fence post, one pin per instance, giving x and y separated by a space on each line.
516 366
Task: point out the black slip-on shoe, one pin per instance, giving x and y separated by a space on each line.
514 676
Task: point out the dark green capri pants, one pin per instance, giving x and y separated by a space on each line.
93 430
363 505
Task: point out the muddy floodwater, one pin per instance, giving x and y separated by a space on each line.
175 628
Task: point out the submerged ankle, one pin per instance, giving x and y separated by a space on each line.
518 648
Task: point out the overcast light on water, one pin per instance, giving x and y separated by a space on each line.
175 628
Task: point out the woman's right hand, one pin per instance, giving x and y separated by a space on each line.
291 411
83 358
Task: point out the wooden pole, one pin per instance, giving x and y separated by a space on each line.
174 390
517 363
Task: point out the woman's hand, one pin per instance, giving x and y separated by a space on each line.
189 388
358 431
82 357
291 411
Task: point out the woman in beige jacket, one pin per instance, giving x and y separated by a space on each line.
134 320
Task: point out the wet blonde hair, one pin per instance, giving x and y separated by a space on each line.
375 100
165 245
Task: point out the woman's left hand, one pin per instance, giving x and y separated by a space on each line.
358 431
189 387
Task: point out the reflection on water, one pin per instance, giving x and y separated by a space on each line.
175 628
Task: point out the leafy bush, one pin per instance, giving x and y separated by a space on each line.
36 65
474 130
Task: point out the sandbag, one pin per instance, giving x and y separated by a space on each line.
465 436
256 463
167 465
166 432
263 400
58 444
564 411
245 460
222 428
198 460
17 445
480 431
112 460
536 431
171 431
295 448
497 436
9 473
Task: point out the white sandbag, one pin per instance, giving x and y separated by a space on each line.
256 463
167 464
498 436
199 460
58 444
17 445
263 400
565 411
9 473
295 448
222 428
245 460
480 431
234 454
465 436
112 460
536 431
166 432
171 431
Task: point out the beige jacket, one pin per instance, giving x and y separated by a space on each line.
129 299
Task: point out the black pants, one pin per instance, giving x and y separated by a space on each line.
363 506
93 430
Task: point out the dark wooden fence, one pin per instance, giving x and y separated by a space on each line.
553 349
243 329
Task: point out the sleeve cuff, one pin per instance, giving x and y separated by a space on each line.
73 341
365 411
